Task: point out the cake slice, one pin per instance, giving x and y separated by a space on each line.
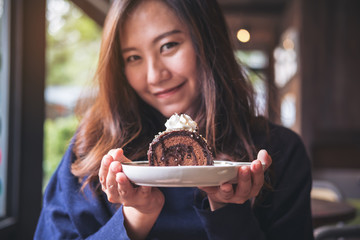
179 145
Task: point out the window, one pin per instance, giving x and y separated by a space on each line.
22 68
256 62
287 79
73 43
4 103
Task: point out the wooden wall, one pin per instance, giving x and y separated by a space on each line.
330 63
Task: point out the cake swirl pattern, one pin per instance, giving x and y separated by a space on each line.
179 146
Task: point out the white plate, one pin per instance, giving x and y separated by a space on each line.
141 173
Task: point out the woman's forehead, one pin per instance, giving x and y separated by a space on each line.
143 8
150 17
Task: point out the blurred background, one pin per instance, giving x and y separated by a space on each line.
302 57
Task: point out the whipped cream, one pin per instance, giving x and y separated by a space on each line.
182 122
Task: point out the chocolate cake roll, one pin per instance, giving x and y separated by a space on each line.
179 145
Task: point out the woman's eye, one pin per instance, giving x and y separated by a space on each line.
132 58
168 46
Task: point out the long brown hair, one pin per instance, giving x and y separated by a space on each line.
119 118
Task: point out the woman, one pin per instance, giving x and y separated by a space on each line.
159 57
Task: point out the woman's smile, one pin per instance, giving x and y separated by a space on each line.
169 92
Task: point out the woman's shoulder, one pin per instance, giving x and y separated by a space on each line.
286 149
283 144
268 133
283 133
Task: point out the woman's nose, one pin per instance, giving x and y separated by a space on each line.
157 72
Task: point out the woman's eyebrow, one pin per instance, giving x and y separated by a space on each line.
158 38
127 50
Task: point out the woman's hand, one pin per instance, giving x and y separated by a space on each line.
141 205
119 189
249 183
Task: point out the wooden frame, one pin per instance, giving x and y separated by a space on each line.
26 117
95 9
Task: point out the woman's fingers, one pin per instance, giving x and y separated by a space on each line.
113 155
244 184
130 196
123 183
250 180
226 191
265 158
111 184
104 169
257 176
113 181
118 155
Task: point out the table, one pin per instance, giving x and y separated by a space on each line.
326 212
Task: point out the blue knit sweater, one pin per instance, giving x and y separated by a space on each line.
282 213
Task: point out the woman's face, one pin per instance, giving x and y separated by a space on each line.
160 59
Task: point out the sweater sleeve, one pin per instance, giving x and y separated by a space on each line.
233 221
69 213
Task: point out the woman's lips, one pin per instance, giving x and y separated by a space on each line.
167 92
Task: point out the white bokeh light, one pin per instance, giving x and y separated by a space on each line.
288 110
